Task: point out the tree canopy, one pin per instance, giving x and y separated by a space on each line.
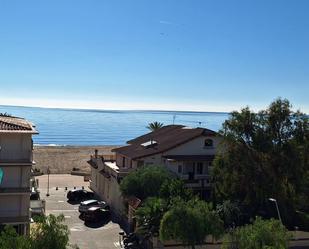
48 233
190 222
262 234
265 154
144 182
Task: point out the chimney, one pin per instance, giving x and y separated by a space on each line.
96 153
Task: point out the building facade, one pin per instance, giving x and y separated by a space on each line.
15 165
187 152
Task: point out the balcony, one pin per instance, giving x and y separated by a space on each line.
12 191
19 161
14 220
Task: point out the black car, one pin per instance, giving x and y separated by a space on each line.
79 195
96 214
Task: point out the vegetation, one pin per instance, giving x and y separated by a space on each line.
262 234
48 233
190 223
5 114
154 126
149 215
230 213
10 239
144 182
265 155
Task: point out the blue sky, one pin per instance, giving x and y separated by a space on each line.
180 55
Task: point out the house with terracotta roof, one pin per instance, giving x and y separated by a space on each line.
188 152
15 171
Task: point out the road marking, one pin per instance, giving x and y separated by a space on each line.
117 244
60 201
61 210
78 228
67 216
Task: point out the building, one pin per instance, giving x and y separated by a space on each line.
188 152
15 166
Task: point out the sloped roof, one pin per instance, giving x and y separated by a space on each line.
165 138
10 124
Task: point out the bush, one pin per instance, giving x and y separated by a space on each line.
262 234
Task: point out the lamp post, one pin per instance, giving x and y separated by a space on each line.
48 172
275 201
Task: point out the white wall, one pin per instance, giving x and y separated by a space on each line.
16 147
195 147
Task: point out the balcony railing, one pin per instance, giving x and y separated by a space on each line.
14 190
14 220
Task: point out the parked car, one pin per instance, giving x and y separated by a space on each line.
85 205
79 195
96 214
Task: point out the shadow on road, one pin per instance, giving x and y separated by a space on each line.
97 224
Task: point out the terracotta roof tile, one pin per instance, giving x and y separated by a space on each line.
164 139
15 124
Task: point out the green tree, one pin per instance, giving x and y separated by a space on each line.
175 188
154 126
50 233
264 155
262 234
152 210
144 182
190 223
229 212
10 239
149 215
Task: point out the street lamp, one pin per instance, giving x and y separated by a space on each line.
275 201
48 172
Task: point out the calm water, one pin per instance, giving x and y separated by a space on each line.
93 127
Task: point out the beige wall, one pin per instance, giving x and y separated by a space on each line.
196 147
14 206
15 147
119 161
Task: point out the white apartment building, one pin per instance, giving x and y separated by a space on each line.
15 171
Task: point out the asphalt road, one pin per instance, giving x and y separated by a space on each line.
95 236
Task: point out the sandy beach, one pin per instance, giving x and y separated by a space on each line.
62 159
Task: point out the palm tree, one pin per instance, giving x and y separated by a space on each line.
154 126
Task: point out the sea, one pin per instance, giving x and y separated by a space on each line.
76 127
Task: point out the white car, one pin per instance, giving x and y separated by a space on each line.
85 205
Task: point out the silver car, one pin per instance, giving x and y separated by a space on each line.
85 205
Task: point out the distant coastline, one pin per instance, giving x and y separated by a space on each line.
112 110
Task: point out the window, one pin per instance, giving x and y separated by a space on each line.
179 169
1 175
140 164
199 168
208 143
123 161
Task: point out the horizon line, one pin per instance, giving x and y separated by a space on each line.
112 110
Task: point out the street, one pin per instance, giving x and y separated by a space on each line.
103 236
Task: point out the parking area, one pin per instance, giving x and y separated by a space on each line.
86 237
